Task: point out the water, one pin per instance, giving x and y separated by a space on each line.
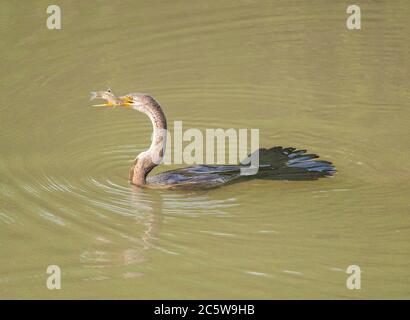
290 69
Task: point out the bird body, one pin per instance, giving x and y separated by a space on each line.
276 163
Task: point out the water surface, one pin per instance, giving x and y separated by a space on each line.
290 69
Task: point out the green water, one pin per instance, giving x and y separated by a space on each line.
289 68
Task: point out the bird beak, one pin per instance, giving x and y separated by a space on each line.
125 101
103 105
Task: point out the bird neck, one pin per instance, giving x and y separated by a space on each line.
149 159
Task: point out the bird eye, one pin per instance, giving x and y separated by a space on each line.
109 90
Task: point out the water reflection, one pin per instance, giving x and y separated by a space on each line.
130 248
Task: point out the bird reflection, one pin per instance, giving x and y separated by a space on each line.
122 254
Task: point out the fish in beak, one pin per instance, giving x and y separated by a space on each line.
112 100
107 95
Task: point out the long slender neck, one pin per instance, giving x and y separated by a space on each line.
149 159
